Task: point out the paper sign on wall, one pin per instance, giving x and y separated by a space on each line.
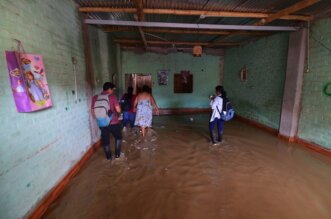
28 81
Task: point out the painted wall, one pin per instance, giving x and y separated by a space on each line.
114 62
99 56
260 97
315 118
37 149
205 70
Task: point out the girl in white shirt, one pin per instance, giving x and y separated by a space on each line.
216 105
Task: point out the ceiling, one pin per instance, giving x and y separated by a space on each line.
209 23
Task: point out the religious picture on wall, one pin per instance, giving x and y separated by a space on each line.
162 77
28 81
184 75
183 82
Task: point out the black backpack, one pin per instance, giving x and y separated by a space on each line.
126 103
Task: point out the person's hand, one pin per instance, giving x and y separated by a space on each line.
93 114
157 112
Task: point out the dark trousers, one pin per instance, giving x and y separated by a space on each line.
128 117
115 130
220 125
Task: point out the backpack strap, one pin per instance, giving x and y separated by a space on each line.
218 111
217 107
100 107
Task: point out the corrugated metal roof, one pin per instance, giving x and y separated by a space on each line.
210 5
263 6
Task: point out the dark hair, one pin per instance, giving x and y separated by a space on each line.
130 92
139 89
108 85
146 89
220 89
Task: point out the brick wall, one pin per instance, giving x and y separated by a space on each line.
260 97
37 149
315 118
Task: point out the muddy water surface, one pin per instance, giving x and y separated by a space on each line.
174 172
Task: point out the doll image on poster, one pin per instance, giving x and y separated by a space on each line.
28 81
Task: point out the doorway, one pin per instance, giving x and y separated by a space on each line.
137 81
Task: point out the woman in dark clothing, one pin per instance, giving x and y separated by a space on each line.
127 105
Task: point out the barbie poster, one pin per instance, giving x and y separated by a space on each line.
28 81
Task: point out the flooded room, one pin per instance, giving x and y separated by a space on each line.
165 109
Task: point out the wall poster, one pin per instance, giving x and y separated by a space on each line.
162 77
28 81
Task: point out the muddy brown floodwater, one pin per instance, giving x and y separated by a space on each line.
176 173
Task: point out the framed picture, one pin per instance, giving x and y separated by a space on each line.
183 83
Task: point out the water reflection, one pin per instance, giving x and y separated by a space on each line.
174 172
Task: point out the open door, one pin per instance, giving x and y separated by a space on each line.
137 81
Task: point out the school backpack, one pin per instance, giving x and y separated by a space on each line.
102 110
126 103
227 111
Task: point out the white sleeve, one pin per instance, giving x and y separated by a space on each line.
211 103
216 103
220 105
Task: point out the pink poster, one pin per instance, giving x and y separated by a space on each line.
28 81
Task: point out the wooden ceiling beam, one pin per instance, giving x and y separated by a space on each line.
221 14
196 13
140 17
140 9
175 31
128 41
107 10
285 12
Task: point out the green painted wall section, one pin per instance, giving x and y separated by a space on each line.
205 70
113 62
99 56
260 97
315 118
103 58
38 149
103 55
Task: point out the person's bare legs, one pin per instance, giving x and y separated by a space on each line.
143 131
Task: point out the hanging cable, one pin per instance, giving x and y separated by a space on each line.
308 49
161 38
74 64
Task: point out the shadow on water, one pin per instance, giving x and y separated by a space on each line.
174 172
